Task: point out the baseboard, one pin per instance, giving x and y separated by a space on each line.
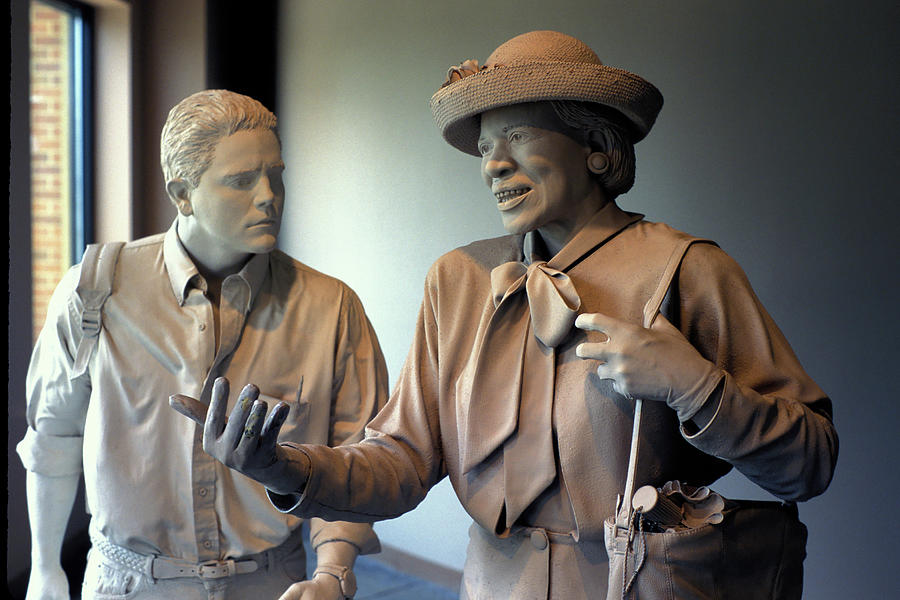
416 566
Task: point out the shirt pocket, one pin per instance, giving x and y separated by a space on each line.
297 418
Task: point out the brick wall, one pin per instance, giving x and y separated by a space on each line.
50 154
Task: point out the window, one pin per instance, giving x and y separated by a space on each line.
60 144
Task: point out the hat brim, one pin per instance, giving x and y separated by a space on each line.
457 106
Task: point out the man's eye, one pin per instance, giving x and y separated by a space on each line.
518 136
484 148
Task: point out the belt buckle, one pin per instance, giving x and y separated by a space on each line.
215 569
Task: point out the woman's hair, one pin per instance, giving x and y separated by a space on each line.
604 130
199 122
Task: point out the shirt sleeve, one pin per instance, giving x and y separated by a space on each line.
360 386
392 469
359 392
56 402
772 422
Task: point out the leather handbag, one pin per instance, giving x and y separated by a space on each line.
748 550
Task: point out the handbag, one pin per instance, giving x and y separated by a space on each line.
746 549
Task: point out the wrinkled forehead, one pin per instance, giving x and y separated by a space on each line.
531 114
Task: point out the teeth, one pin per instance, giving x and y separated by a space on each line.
507 194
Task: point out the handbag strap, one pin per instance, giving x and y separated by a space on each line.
651 311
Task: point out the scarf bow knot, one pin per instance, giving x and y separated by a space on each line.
511 407
552 299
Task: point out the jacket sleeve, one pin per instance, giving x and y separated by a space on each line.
358 393
771 420
56 402
400 459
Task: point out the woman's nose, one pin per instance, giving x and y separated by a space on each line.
497 164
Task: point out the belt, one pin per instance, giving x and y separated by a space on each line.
165 567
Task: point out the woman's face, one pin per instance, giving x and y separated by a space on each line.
538 174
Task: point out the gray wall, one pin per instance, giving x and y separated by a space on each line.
778 139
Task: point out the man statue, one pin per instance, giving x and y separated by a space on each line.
210 298
531 349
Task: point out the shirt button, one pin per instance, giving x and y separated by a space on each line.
539 539
207 544
202 491
202 326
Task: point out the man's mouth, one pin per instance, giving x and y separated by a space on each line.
264 223
510 198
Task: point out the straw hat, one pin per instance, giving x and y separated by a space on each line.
536 66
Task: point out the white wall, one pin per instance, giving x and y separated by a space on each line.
778 139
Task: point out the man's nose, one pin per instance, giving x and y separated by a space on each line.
265 193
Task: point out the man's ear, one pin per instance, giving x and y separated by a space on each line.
180 195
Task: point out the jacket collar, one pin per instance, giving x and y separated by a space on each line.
605 224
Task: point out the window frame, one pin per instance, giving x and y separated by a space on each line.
81 138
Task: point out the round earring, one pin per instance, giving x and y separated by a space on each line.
185 208
598 163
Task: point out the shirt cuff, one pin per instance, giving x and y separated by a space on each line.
710 436
290 503
691 403
360 535
50 455
285 503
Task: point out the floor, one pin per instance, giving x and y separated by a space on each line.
378 581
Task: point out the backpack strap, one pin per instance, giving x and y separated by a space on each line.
98 268
651 310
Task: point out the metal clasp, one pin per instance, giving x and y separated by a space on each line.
90 322
215 569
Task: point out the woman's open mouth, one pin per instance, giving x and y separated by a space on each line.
511 198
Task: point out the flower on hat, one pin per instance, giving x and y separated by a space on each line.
468 67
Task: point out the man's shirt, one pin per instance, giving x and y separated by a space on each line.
150 486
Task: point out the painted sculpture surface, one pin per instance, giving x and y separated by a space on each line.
529 349
187 306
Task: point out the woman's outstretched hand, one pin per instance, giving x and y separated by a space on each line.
247 440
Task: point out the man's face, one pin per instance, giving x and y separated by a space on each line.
238 204
538 175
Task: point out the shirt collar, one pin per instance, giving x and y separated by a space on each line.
254 274
179 266
183 273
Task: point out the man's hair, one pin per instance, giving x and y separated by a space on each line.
604 131
199 122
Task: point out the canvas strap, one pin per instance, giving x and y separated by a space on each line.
94 286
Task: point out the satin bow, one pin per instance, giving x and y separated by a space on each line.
513 385
552 300
512 406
